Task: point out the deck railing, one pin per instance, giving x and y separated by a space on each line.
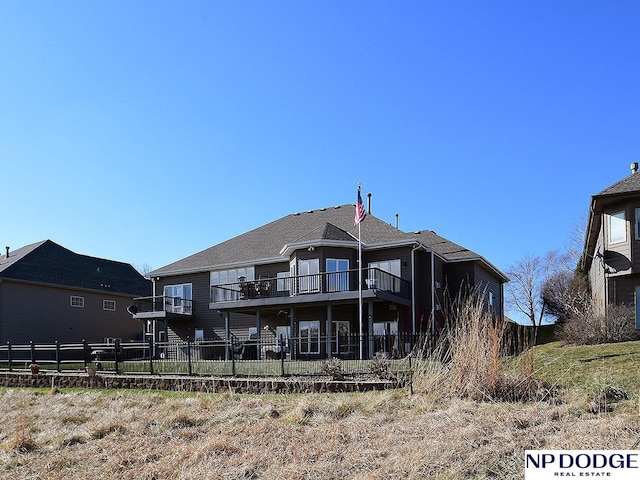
326 282
163 303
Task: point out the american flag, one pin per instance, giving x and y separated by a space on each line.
360 212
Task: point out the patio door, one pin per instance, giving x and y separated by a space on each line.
309 339
340 341
337 275
379 278
177 298
309 275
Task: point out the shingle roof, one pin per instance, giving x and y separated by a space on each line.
447 249
627 188
265 243
629 184
48 262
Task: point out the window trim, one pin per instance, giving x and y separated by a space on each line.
76 298
637 223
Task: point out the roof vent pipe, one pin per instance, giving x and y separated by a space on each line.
634 167
369 203
397 220
7 251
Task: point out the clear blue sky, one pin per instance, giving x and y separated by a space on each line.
145 131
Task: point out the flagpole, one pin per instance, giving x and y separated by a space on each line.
360 293
359 216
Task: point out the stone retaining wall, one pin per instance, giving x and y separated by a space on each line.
188 384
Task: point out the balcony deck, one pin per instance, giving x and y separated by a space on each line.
161 306
316 288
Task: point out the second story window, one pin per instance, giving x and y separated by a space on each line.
77 301
177 298
227 283
109 305
617 227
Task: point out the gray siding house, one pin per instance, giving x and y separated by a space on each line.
611 254
298 277
49 293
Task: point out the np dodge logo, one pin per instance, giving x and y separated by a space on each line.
612 464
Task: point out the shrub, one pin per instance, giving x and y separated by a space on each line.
618 325
333 368
379 365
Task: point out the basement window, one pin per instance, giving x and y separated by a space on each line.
77 301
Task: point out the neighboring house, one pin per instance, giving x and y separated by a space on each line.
49 293
298 277
611 254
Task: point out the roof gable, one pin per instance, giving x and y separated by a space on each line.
328 231
48 262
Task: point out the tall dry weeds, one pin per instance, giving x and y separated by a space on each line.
470 360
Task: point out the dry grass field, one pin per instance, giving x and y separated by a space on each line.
585 401
473 413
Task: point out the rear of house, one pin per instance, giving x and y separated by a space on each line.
298 278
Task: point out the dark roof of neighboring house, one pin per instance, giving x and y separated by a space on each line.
325 226
628 187
47 262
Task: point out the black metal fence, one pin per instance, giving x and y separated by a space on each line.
295 356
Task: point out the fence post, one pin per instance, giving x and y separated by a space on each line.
410 377
58 356
189 355
33 352
85 348
150 356
281 355
116 347
9 355
233 359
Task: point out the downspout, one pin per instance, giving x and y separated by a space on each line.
433 292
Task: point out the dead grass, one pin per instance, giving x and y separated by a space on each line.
473 415
127 435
